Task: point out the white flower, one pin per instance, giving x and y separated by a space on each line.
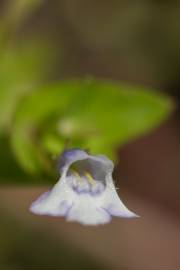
85 191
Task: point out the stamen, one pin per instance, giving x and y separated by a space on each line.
77 175
89 178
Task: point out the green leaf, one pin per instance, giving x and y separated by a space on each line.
99 115
34 114
121 112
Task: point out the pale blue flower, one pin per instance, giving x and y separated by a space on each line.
85 191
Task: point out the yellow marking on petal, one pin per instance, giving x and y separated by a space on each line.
89 178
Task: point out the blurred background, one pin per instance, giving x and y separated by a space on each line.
85 74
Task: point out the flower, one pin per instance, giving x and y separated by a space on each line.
85 191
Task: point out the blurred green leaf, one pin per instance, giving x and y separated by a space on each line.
34 114
99 115
21 71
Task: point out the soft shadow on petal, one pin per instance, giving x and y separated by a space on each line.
119 210
45 208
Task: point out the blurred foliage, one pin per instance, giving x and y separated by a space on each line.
21 70
38 117
88 113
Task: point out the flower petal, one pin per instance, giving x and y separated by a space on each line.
79 201
56 202
113 204
70 156
87 212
